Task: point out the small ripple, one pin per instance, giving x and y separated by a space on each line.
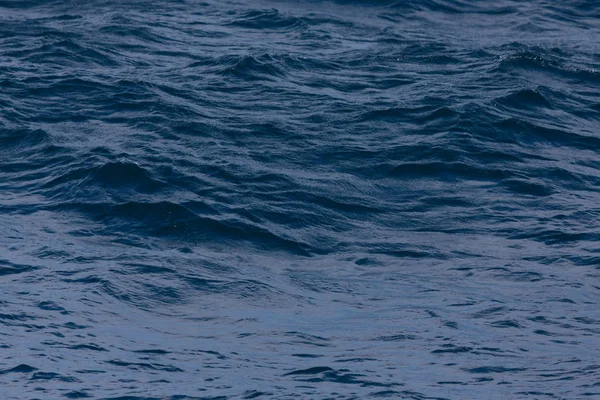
52 376
343 376
494 370
552 61
145 366
62 52
8 268
267 19
251 68
20 140
19 369
524 98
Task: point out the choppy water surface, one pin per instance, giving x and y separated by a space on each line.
299 199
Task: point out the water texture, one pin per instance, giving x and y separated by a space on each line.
299 199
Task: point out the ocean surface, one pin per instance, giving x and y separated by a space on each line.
299 199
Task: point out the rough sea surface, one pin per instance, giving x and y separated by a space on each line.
299 199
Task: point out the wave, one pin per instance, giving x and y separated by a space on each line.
298 199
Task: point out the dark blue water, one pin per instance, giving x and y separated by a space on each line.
299 199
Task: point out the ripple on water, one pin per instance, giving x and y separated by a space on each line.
280 199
